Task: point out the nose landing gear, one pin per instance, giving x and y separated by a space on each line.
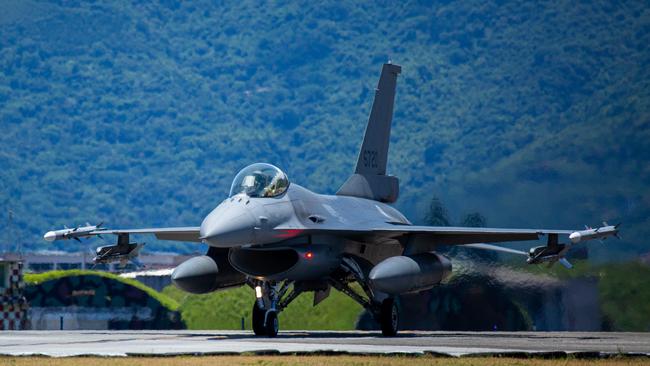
270 301
265 321
259 319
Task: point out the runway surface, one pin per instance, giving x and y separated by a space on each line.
125 343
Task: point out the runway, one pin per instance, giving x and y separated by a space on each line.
152 343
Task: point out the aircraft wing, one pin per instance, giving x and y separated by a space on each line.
435 235
424 236
420 239
449 235
190 233
427 238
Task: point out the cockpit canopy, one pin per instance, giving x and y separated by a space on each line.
260 180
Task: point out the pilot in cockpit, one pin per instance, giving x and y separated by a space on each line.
260 180
254 184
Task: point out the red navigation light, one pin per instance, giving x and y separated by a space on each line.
309 255
287 233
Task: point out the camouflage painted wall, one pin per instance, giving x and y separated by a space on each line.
95 302
12 302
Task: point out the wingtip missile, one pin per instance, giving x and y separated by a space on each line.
74 233
598 233
50 236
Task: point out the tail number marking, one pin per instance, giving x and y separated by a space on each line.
370 158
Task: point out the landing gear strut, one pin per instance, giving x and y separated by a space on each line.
270 301
382 307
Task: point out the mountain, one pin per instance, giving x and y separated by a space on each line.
140 114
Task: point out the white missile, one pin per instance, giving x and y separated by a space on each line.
597 233
76 233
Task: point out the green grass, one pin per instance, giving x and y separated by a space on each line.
38 278
225 309
625 296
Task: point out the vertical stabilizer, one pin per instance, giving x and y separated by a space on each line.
369 179
373 155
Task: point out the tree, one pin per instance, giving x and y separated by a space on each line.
474 219
437 215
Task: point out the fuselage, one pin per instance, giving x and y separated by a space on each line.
242 221
278 237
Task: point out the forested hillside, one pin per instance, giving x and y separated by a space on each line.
140 114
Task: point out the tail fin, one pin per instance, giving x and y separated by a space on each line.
370 179
373 155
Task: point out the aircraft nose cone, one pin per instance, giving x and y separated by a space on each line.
49 236
228 225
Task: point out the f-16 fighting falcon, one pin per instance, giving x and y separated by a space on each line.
282 239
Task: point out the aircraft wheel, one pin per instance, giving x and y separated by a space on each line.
258 319
389 317
272 324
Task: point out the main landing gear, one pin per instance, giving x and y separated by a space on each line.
271 299
388 317
385 312
381 306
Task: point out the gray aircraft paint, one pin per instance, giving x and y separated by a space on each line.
373 155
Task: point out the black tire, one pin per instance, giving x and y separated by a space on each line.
389 317
258 320
272 324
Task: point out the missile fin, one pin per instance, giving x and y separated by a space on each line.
565 263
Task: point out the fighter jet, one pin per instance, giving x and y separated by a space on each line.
282 239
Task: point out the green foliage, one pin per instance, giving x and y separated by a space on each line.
625 296
140 114
224 310
38 278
